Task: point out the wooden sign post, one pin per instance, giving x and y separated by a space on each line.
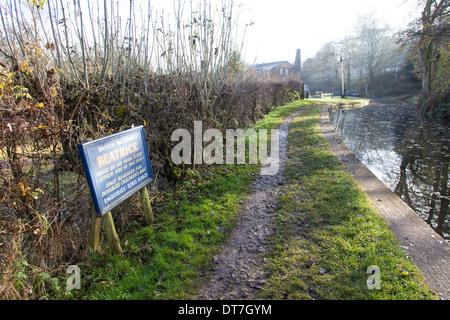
146 205
116 167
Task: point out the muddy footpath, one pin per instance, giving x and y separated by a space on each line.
238 273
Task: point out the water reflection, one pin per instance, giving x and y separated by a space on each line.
409 153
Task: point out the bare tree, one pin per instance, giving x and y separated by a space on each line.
348 48
370 55
376 46
320 71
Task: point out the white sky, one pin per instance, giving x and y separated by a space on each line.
283 26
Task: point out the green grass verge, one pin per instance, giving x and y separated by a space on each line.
323 217
328 234
162 261
167 260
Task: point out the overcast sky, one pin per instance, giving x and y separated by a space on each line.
282 26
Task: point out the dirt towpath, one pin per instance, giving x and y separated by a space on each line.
237 274
427 249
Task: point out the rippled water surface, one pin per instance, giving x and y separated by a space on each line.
409 153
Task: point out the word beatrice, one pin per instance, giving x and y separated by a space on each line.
117 154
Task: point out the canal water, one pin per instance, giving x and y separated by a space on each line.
406 151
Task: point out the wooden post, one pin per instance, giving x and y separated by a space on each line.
94 237
111 233
146 205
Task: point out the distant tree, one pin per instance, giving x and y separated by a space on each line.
372 60
349 51
377 49
320 72
236 64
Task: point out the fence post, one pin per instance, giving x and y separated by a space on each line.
146 205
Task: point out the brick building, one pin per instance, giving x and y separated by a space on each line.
279 69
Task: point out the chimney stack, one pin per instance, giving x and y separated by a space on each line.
298 63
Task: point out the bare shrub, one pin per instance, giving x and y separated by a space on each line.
68 76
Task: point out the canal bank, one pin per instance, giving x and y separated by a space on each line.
427 249
328 239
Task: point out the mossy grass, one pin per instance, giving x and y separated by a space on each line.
168 259
328 234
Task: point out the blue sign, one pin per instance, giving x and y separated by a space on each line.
116 167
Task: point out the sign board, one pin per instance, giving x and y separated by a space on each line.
116 167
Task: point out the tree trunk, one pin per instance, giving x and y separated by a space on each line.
427 62
432 13
349 79
366 89
445 202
